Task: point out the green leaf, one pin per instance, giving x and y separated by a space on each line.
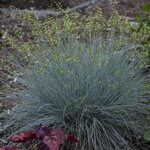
147 86
135 25
148 101
147 7
147 136
147 108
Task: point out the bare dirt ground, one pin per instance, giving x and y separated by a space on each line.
129 8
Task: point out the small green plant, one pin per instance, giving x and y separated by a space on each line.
147 7
94 25
147 135
143 29
95 94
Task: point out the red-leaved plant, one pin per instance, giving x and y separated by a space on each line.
51 139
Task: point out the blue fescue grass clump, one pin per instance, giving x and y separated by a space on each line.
87 89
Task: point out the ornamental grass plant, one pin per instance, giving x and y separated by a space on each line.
89 90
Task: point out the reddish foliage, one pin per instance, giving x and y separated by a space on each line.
54 139
71 138
9 148
42 131
23 137
51 139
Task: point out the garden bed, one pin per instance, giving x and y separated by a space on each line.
7 80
